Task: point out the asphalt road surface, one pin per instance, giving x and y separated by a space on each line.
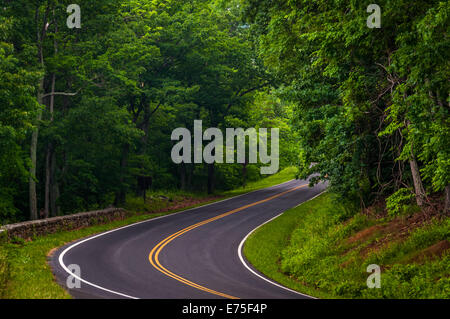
192 254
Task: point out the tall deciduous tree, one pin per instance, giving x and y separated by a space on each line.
370 101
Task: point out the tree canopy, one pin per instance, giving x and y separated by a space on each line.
371 104
85 113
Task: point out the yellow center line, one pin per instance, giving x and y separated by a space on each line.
154 254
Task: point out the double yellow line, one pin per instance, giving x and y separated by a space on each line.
154 254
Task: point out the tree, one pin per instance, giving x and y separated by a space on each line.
18 106
365 98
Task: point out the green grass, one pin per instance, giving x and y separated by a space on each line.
306 249
25 273
29 274
162 198
281 177
4 271
156 200
264 247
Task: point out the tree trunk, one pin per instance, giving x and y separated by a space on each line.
210 178
121 192
54 188
244 173
183 176
418 186
48 171
32 181
189 173
47 181
50 168
40 34
211 175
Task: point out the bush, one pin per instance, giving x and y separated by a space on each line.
414 281
400 201
7 210
308 249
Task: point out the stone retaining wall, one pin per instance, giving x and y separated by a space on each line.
30 229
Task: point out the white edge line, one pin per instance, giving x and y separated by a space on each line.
61 256
241 245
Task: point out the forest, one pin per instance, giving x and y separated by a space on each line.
87 110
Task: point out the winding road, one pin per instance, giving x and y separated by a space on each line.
194 254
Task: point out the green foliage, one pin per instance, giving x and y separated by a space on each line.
17 86
420 239
366 101
17 108
428 279
157 200
135 71
310 255
399 201
25 272
284 175
307 249
413 281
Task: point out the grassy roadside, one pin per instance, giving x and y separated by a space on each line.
281 177
318 250
24 272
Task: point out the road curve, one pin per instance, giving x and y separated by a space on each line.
193 254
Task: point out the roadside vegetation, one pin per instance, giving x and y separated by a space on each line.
24 272
285 175
87 115
371 110
322 249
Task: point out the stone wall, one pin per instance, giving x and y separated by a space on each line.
30 229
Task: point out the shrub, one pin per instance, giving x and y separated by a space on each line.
399 202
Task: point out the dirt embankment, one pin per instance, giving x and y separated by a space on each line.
383 233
